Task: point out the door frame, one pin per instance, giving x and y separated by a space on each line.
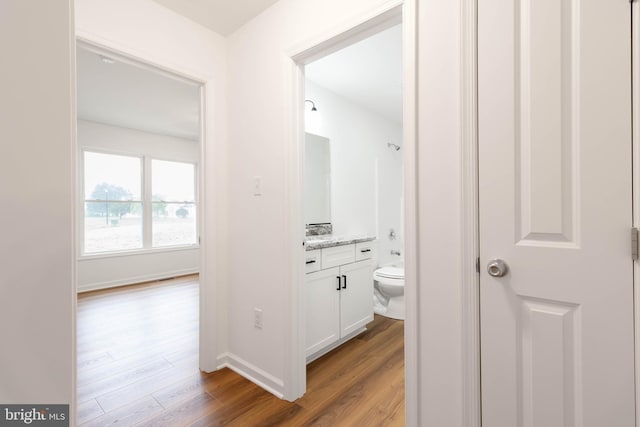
406 10
470 216
208 344
358 28
398 11
635 136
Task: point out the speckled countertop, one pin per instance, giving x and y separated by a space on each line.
327 241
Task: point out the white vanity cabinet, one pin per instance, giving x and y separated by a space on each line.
339 299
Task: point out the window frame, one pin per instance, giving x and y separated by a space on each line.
146 203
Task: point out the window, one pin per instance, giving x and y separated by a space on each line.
122 212
173 203
112 202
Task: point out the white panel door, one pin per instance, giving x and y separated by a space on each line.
356 296
555 205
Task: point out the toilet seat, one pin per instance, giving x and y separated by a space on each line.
389 273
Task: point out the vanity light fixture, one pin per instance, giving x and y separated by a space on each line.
313 105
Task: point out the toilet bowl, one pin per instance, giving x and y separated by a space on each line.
388 291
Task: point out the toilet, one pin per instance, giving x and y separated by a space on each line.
388 291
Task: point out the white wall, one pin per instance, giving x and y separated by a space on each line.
104 271
150 32
136 143
37 115
101 272
366 175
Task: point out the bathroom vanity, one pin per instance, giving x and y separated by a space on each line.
338 291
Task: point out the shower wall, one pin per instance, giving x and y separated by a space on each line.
366 174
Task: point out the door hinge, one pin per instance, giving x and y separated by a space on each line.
477 265
634 244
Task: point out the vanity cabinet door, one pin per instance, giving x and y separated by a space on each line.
356 298
322 309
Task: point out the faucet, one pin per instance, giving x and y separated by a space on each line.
395 252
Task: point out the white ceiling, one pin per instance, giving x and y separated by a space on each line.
221 16
136 97
368 73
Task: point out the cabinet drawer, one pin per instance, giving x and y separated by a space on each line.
338 255
312 260
364 250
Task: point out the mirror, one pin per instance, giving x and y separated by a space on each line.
317 180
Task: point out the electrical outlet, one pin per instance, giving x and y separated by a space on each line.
257 318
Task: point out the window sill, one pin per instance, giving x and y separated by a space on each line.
101 255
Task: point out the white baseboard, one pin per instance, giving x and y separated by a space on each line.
135 279
254 374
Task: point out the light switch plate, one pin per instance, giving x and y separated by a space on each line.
257 318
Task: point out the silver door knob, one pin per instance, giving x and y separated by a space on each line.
497 268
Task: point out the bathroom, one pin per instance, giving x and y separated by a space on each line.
353 172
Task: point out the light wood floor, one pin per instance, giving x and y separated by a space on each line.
138 365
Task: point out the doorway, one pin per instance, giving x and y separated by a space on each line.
378 24
139 159
139 216
353 204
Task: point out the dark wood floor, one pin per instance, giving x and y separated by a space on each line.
138 365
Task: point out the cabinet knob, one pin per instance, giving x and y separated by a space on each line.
338 288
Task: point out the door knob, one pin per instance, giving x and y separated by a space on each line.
497 268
